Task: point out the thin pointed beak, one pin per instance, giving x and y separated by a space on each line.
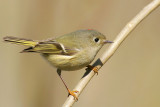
107 41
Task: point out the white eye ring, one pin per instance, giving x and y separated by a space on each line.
96 39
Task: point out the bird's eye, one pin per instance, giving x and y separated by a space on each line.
96 39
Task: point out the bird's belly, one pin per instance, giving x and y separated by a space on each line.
68 63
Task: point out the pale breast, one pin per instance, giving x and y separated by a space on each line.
69 63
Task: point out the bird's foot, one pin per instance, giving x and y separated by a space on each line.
94 68
73 94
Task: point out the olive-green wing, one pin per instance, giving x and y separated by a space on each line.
51 47
48 46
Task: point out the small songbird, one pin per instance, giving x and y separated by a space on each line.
68 52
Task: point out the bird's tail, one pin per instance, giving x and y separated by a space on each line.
20 41
36 46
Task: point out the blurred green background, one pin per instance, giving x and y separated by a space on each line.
129 79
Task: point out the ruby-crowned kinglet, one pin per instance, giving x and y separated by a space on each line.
68 52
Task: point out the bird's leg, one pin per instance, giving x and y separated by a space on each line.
69 91
94 68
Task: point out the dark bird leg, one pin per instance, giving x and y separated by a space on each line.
69 91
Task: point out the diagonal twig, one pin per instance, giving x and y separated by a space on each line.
113 47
